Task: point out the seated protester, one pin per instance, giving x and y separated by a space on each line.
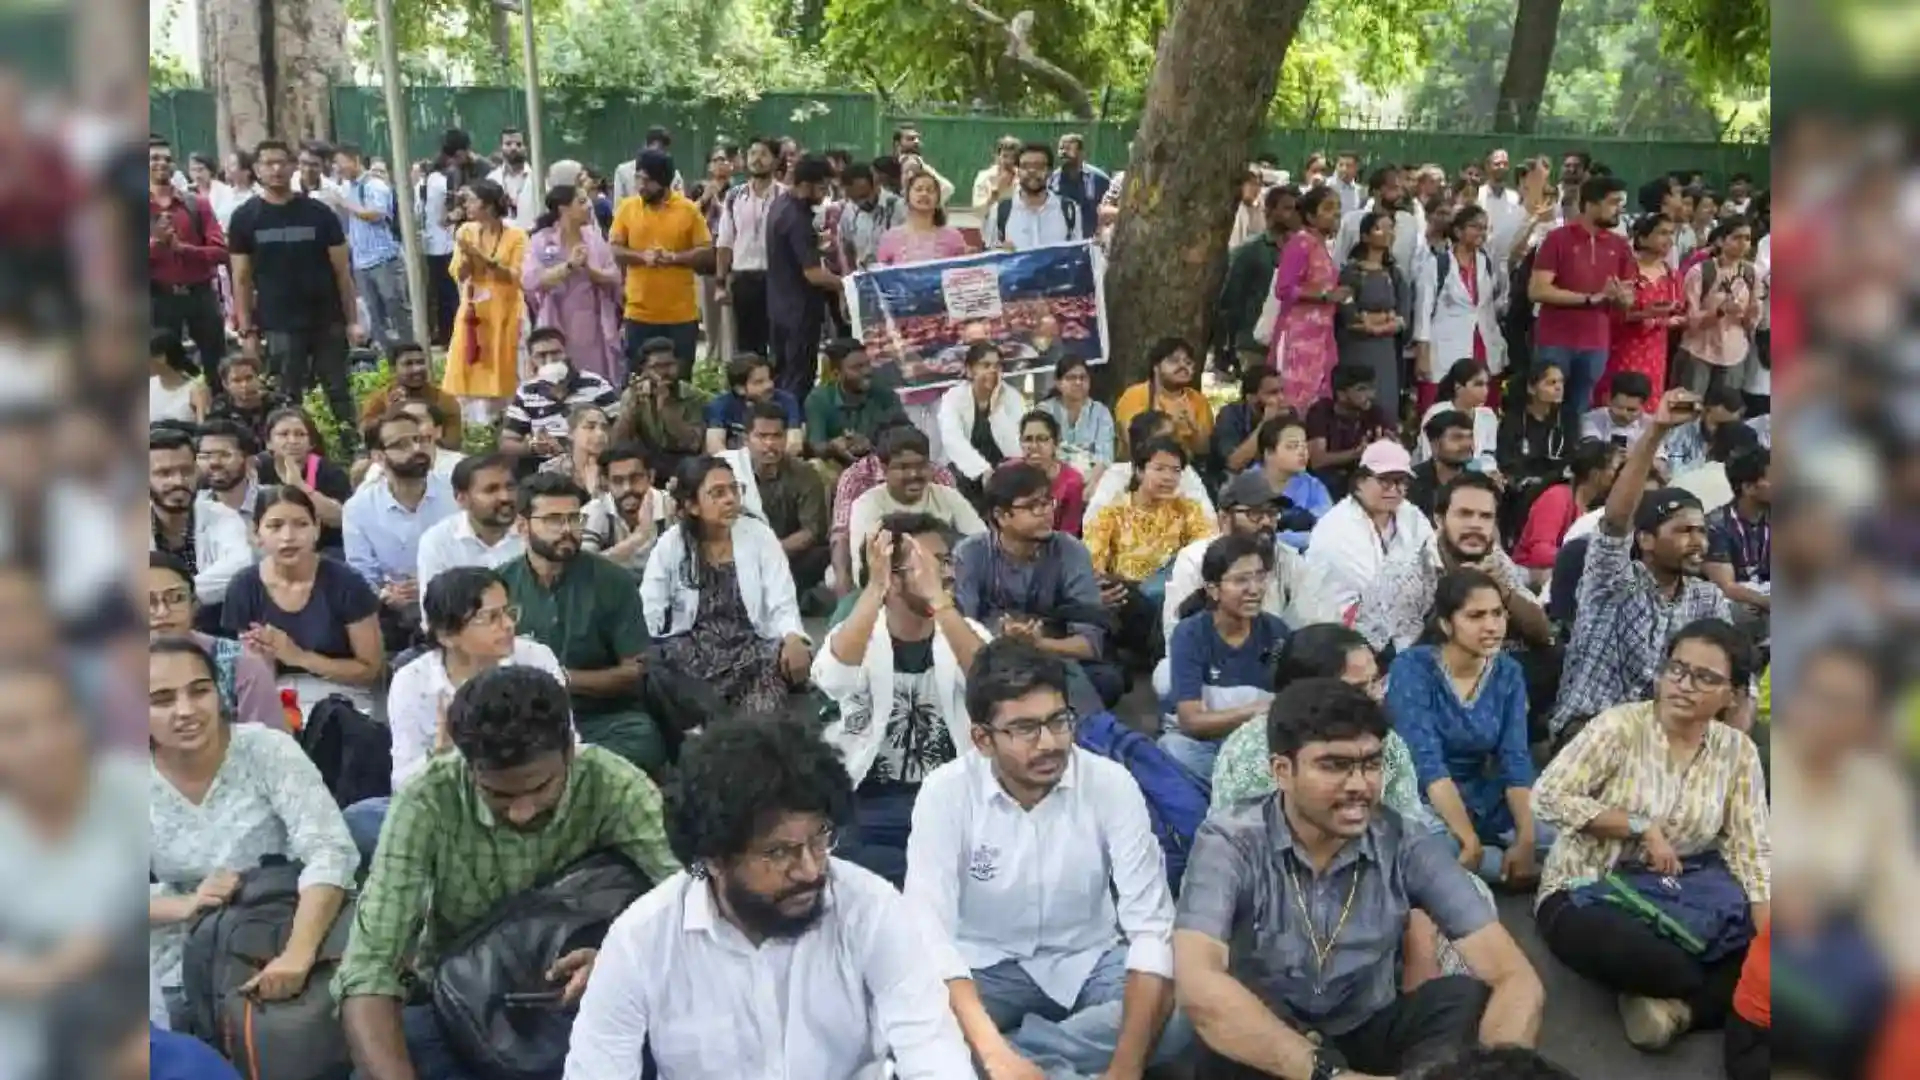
1740 540
979 419
1708 482
383 523
1133 542
1618 797
1627 609
845 413
788 494
1748 1050
587 438
224 453
908 489
1170 391
1461 706
1087 434
242 396
1040 448
1220 655
1303 499
586 610
856 480
535 425
224 796
316 620
1260 1002
1116 481
203 534
1236 431
431 421
1396 609
245 679
719 597
518 797
413 384
1556 507
749 382
482 532
1448 435
1247 508
1533 450
1464 389
626 520
1341 428
295 457
1363 531
1038 862
1687 447
1026 579
1625 417
756 823
906 649
662 413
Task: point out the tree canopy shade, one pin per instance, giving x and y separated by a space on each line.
1725 43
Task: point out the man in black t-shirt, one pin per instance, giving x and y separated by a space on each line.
797 285
293 284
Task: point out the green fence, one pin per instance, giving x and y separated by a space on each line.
605 128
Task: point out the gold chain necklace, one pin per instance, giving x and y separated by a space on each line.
1321 951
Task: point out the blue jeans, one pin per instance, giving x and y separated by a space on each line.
364 819
1197 755
879 835
1583 368
432 1058
1493 854
1068 1043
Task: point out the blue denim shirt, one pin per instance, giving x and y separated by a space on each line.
383 537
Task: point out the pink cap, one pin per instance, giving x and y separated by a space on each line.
1386 458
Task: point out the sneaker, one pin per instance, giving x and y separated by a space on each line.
1654 1023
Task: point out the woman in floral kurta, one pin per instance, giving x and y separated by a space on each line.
1307 289
1640 333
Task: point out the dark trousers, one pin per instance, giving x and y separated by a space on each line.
1605 944
444 294
300 358
809 566
1747 1054
796 354
685 337
881 821
748 298
1432 1024
192 312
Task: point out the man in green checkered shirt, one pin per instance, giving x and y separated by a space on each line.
519 802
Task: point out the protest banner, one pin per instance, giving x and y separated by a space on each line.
1038 306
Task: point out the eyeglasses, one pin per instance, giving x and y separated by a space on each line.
1685 674
1028 731
574 521
782 858
714 491
168 600
1241 581
1260 516
1394 482
1043 504
1345 768
508 615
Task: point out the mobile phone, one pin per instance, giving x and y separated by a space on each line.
1685 408
533 999
1620 441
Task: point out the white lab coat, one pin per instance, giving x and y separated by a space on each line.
864 695
1447 319
766 584
956 427
1346 552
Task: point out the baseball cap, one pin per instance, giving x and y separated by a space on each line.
1386 458
1661 505
656 345
1248 489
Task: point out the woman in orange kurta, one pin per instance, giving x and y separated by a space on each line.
483 357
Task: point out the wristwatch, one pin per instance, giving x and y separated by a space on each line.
1638 824
1327 1065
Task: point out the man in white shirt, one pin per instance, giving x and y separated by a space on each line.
767 957
482 533
203 533
1033 217
516 178
907 489
1501 201
1346 181
1389 192
740 247
1039 861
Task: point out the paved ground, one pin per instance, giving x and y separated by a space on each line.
1581 1030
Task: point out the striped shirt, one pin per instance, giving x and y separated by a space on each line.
536 407
373 243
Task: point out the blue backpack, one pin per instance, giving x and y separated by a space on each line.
1176 798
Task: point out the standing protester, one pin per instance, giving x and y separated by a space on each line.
797 283
373 235
1085 184
1034 217
184 255
571 278
516 178
483 357
440 214
293 287
740 247
1581 268
660 237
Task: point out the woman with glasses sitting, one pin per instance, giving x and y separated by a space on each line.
1645 786
1040 445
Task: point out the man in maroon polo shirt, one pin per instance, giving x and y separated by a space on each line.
1582 268
184 254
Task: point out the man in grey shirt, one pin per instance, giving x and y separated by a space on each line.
1294 906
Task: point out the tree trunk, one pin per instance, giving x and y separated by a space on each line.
1524 85
1212 83
500 37
273 65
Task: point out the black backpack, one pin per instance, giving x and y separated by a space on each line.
298 1039
354 754
1069 209
510 952
1442 266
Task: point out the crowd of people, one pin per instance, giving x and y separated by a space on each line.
1466 591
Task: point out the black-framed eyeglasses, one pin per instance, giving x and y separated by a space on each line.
169 599
1685 674
1028 731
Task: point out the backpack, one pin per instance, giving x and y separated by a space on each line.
1176 799
1442 266
353 753
298 1039
510 952
1710 273
1069 209
393 212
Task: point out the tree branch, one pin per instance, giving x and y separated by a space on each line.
1020 51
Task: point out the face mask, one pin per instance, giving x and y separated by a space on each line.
553 372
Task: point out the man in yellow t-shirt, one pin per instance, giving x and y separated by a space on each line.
1169 389
660 236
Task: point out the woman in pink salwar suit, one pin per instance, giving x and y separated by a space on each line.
1307 289
572 283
